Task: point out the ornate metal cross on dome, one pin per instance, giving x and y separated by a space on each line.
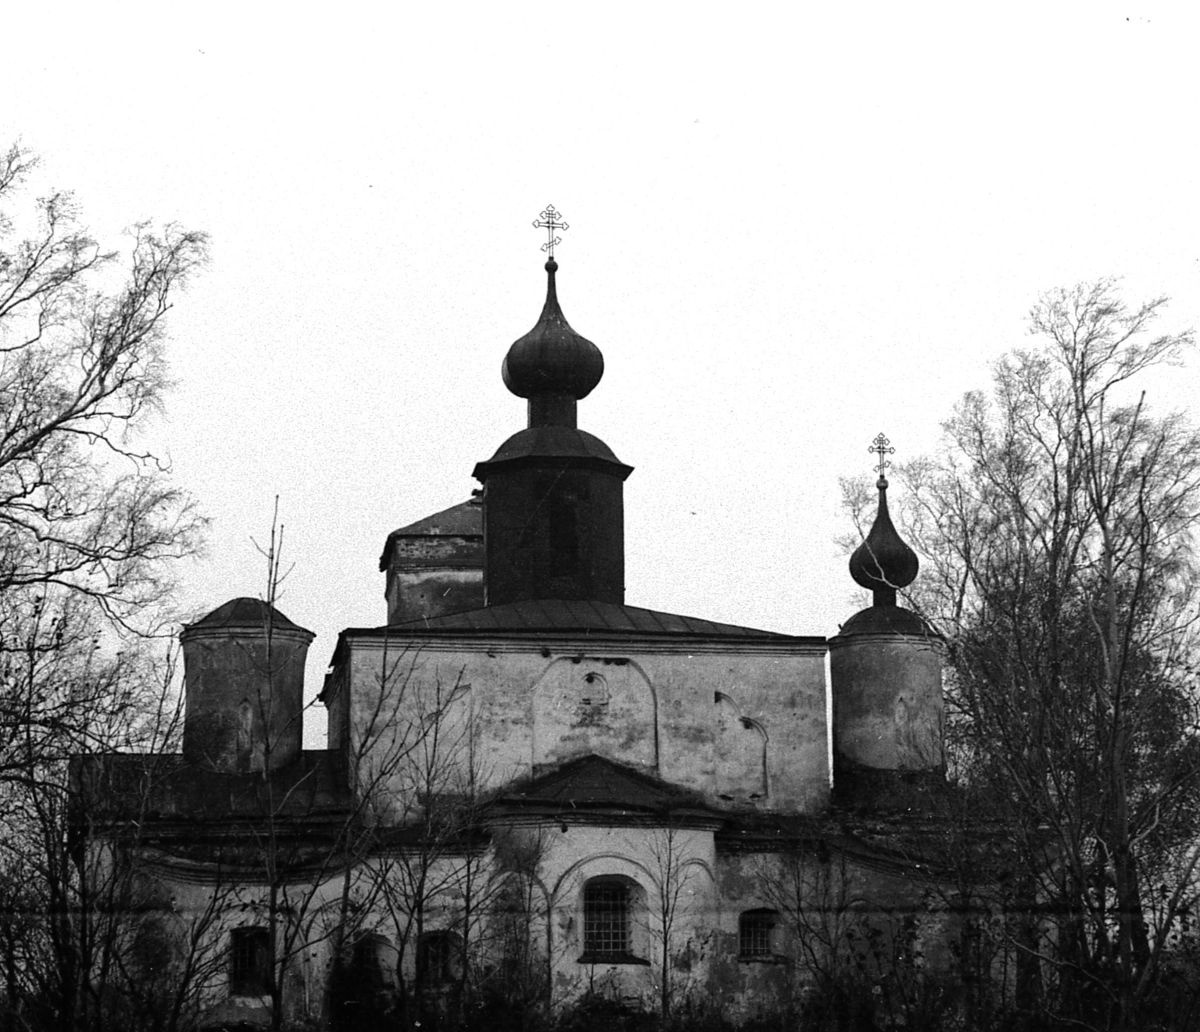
880 445
550 221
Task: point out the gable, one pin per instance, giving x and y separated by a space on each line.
595 783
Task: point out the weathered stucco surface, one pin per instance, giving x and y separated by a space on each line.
244 697
744 724
887 701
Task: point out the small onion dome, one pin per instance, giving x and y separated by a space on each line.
884 563
552 358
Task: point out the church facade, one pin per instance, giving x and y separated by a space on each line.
534 792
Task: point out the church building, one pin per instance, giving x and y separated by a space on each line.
533 791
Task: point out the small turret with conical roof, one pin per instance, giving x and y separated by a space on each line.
553 507
886 680
243 688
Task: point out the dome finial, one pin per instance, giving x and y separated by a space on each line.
883 563
881 445
549 221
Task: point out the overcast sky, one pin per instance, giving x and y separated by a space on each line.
791 227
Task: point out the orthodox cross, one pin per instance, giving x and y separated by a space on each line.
880 445
550 221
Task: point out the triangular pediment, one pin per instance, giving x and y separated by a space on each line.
597 783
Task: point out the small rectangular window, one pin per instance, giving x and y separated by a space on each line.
756 934
250 962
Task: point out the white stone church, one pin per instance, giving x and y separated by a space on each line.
534 791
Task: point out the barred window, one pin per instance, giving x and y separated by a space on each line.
756 930
250 962
605 918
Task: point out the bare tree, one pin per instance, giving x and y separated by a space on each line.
518 926
675 876
460 898
1059 528
88 526
814 897
82 508
429 820
293 860
864 947
88 934
405 811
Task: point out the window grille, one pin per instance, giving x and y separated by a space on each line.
605 918
250 962
755 928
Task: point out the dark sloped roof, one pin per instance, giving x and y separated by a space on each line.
899 843
244 612
561 442
462 520
166 787
595 782
575 615
887 620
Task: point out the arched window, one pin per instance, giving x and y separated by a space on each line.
363 984
250 962
608 909
439 958
756 935
373 962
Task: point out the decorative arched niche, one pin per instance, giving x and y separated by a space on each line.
740 746
586 705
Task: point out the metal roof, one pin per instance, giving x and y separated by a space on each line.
597 782
573 615
167 787
558 442
245 612
462 520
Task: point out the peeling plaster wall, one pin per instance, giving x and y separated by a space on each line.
180 896
583 706
645 858
424 594
826 904
835 893
887 702
244 696
337 706
743 724
429 575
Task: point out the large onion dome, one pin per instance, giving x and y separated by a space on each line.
552 365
